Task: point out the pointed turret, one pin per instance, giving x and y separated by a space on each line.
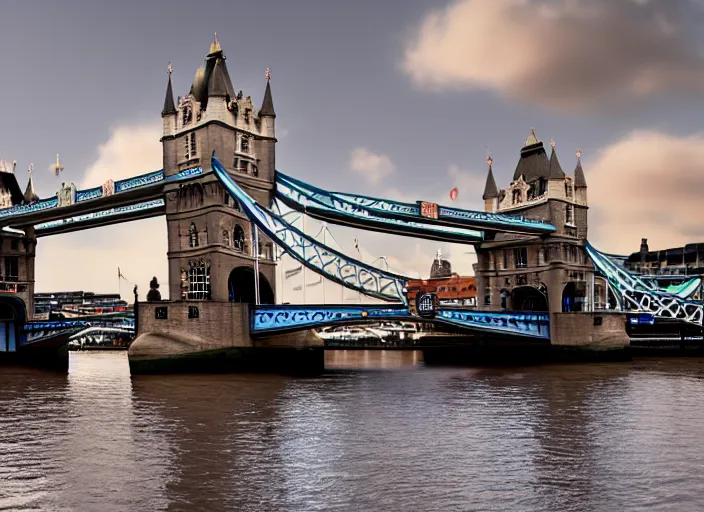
169 113
267 109
169 105
490 190
30 196
556 171
579 181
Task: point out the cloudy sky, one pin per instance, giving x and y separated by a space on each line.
397 98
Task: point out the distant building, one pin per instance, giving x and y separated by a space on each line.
448 286
678 261
78 302
669 267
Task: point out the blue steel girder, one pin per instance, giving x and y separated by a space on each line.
318 257
637 295
35 332
102 218
267 320
360 210
330 209
530 325
125 192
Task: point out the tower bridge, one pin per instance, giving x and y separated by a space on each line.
538 279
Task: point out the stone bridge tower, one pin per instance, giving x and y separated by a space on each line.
211 248
551 273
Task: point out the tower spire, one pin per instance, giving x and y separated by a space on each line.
579 180
215 45
490 190
30 195
267 109
169 105
555 169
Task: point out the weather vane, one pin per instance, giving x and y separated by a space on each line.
169 69
57 167
489 161
267 74
579 153
552 143
31 168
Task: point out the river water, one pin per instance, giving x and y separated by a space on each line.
378 431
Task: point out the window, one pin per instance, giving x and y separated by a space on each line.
487 299
516 196
193 236
191 147
226 199
505 257
11 268
521 256
199 282
246 116
226 237
244 144
255 170
193 312
161 313
568 189
569 215
187 115
238 238
15 245
541 256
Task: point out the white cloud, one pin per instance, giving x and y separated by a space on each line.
565 54
647 185
89 259
373 166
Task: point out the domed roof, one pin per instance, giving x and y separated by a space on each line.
198 88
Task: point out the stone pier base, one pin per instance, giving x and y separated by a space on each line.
574 337
215 339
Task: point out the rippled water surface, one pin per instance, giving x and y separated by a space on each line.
379 431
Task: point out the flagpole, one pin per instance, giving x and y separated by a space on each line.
325 228
304 257
256 264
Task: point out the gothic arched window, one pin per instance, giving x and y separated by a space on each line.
193 236
516 196
226 237
238 238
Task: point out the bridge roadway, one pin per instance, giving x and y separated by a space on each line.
267 320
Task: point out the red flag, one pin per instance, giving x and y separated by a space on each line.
453 193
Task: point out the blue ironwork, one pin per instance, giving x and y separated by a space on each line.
273 319
97 192
35 332
139 181
637 295
22 209
300 195
88 194
321 205
112 212
531 325
320 258
276 319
